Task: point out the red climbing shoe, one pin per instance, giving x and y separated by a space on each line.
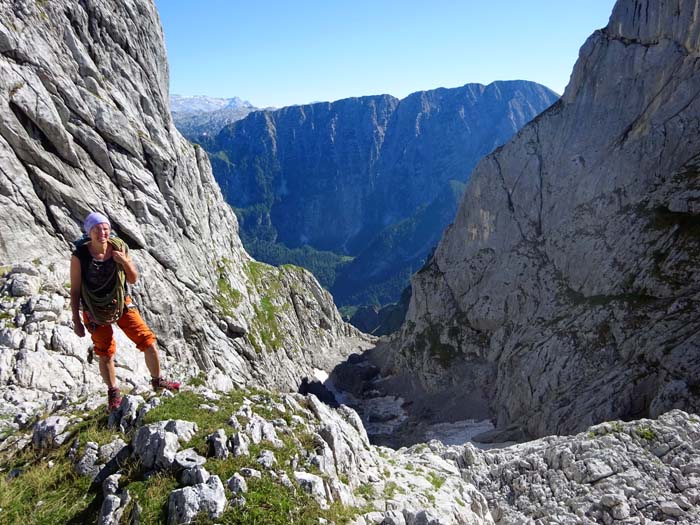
159 383
114 399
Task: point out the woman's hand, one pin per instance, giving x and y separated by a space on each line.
124 260
120 257
78 327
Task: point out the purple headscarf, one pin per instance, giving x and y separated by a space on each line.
93 220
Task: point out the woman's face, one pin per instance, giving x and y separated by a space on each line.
100 233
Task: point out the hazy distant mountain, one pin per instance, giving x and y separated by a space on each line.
373 179
201 116
204 104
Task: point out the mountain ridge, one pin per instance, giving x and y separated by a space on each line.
333 175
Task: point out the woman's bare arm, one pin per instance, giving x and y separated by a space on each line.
75 283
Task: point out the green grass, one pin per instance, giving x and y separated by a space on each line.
266 324
227 297
151 494
199 380
63 494
646 432
268 502
265 333
365 491
391 488
436 480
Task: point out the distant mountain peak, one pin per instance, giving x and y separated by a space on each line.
206 104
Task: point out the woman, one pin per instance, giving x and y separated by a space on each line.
100 268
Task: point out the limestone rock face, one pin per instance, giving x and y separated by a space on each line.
566 291
640 472
85 125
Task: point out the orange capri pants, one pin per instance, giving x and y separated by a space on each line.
132 325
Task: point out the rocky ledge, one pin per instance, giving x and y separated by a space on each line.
205 457
234 456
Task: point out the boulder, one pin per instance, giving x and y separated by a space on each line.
184 504
155 447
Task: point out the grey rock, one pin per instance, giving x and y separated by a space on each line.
558 287
238 501
254 428
50 432
110 485
145 409
194 475
155 447
188 459
375 518
313 485
233 421
251 473
184 504
671 508
126 416
266 459
184 430
112 450
24 268
285 481
394 517
114 503
24 285
340 492
556 475
422 517
237 484
218 444
239 444
269 434
113 507
88 465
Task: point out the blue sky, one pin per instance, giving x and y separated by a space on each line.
279 53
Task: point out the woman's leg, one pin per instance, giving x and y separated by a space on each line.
136 329
152 358
107 371
105 347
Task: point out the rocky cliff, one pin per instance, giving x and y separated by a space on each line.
370 177
567 290
85 124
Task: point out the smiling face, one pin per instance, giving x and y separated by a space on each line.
100 233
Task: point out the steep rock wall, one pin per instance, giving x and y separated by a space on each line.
85 124
566 291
